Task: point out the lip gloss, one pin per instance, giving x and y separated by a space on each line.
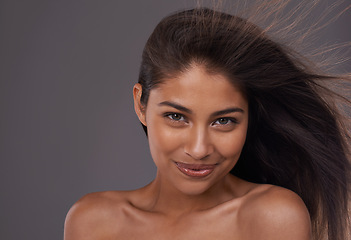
196 170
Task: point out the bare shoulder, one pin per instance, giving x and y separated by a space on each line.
272 212
94 214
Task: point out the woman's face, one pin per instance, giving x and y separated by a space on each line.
197 126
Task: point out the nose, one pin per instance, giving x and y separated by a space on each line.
198 144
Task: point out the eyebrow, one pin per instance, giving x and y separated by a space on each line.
176 106
226 111
184 109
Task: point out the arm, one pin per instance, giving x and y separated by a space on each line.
78 220
90 218
277 214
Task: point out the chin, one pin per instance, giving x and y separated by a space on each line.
195 188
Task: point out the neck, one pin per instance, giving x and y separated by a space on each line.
167 199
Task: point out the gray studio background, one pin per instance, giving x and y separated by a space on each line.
67 124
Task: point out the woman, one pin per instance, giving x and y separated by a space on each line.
245 144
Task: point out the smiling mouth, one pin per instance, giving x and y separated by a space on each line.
196 170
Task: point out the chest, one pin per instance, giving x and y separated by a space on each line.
193 227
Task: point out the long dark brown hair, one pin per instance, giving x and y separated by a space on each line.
295 136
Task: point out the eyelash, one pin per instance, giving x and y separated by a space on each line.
171 115
229 120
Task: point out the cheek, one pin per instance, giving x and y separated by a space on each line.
230 145
162 140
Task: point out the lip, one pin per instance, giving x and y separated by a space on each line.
196 170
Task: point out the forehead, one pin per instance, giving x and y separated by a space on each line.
196 87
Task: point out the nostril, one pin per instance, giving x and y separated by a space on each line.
199 155
198 145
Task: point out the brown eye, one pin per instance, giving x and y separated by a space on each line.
223 121
176 117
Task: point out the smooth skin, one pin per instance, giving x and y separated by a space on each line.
195 118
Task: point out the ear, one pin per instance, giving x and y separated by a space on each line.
138 106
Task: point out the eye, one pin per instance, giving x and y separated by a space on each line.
175 116
224 121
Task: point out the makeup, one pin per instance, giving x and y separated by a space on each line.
196 170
